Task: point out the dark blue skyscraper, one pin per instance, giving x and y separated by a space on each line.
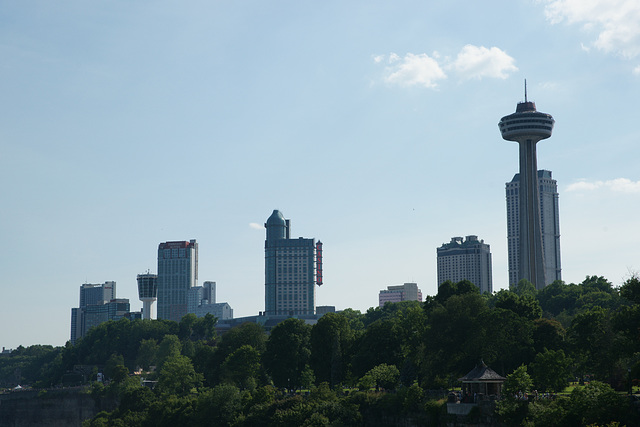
292 269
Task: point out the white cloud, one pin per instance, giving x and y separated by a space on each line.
618 185
636 70
617 22
472 62
256 226
414 70
476 62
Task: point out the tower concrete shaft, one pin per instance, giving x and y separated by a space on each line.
532 265
526 127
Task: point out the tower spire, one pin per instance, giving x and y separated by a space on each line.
525 90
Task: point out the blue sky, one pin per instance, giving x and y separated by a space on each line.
372 125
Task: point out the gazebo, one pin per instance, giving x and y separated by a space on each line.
481 382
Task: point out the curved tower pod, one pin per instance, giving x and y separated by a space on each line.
526 127
277 227
148 294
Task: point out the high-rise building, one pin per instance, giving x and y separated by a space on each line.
527 126
466 259
292 269
92 294
177 273
148 294
95 307
94 315
549 222
397 293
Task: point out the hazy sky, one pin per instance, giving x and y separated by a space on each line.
372 125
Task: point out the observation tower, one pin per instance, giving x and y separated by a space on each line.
148 293
526 127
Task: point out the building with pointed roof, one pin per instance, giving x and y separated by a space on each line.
483 381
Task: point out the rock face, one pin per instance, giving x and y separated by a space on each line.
59 408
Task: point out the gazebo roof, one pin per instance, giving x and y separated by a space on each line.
482 373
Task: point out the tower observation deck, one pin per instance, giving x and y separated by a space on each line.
148 293
526 127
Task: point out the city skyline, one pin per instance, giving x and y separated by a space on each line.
372 125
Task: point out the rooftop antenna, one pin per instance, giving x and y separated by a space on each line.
525 90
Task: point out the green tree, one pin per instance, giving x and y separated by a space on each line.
355 318
380 343
523 287
593 341
448 289
630 290
147 353
550 370
505 339
523 305
112 368
548 333
170 346
241 367
331 341
389 310
177 376
598 404
219 406
197 328
247 333
287 353
385 376
453 339
517 382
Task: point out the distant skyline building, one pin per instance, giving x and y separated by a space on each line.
148 294
202 301
549 222
293 267
466 259
527 126
94 315
398 293
177 273
94 308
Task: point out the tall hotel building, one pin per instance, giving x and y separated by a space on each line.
468 259
549 223
177 273
292 269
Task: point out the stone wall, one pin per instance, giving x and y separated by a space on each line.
57 407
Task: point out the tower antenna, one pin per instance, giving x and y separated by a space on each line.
525 90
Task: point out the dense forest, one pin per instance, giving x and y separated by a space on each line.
391 363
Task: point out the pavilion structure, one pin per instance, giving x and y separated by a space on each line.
481 383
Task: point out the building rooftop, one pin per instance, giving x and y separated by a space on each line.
482 373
